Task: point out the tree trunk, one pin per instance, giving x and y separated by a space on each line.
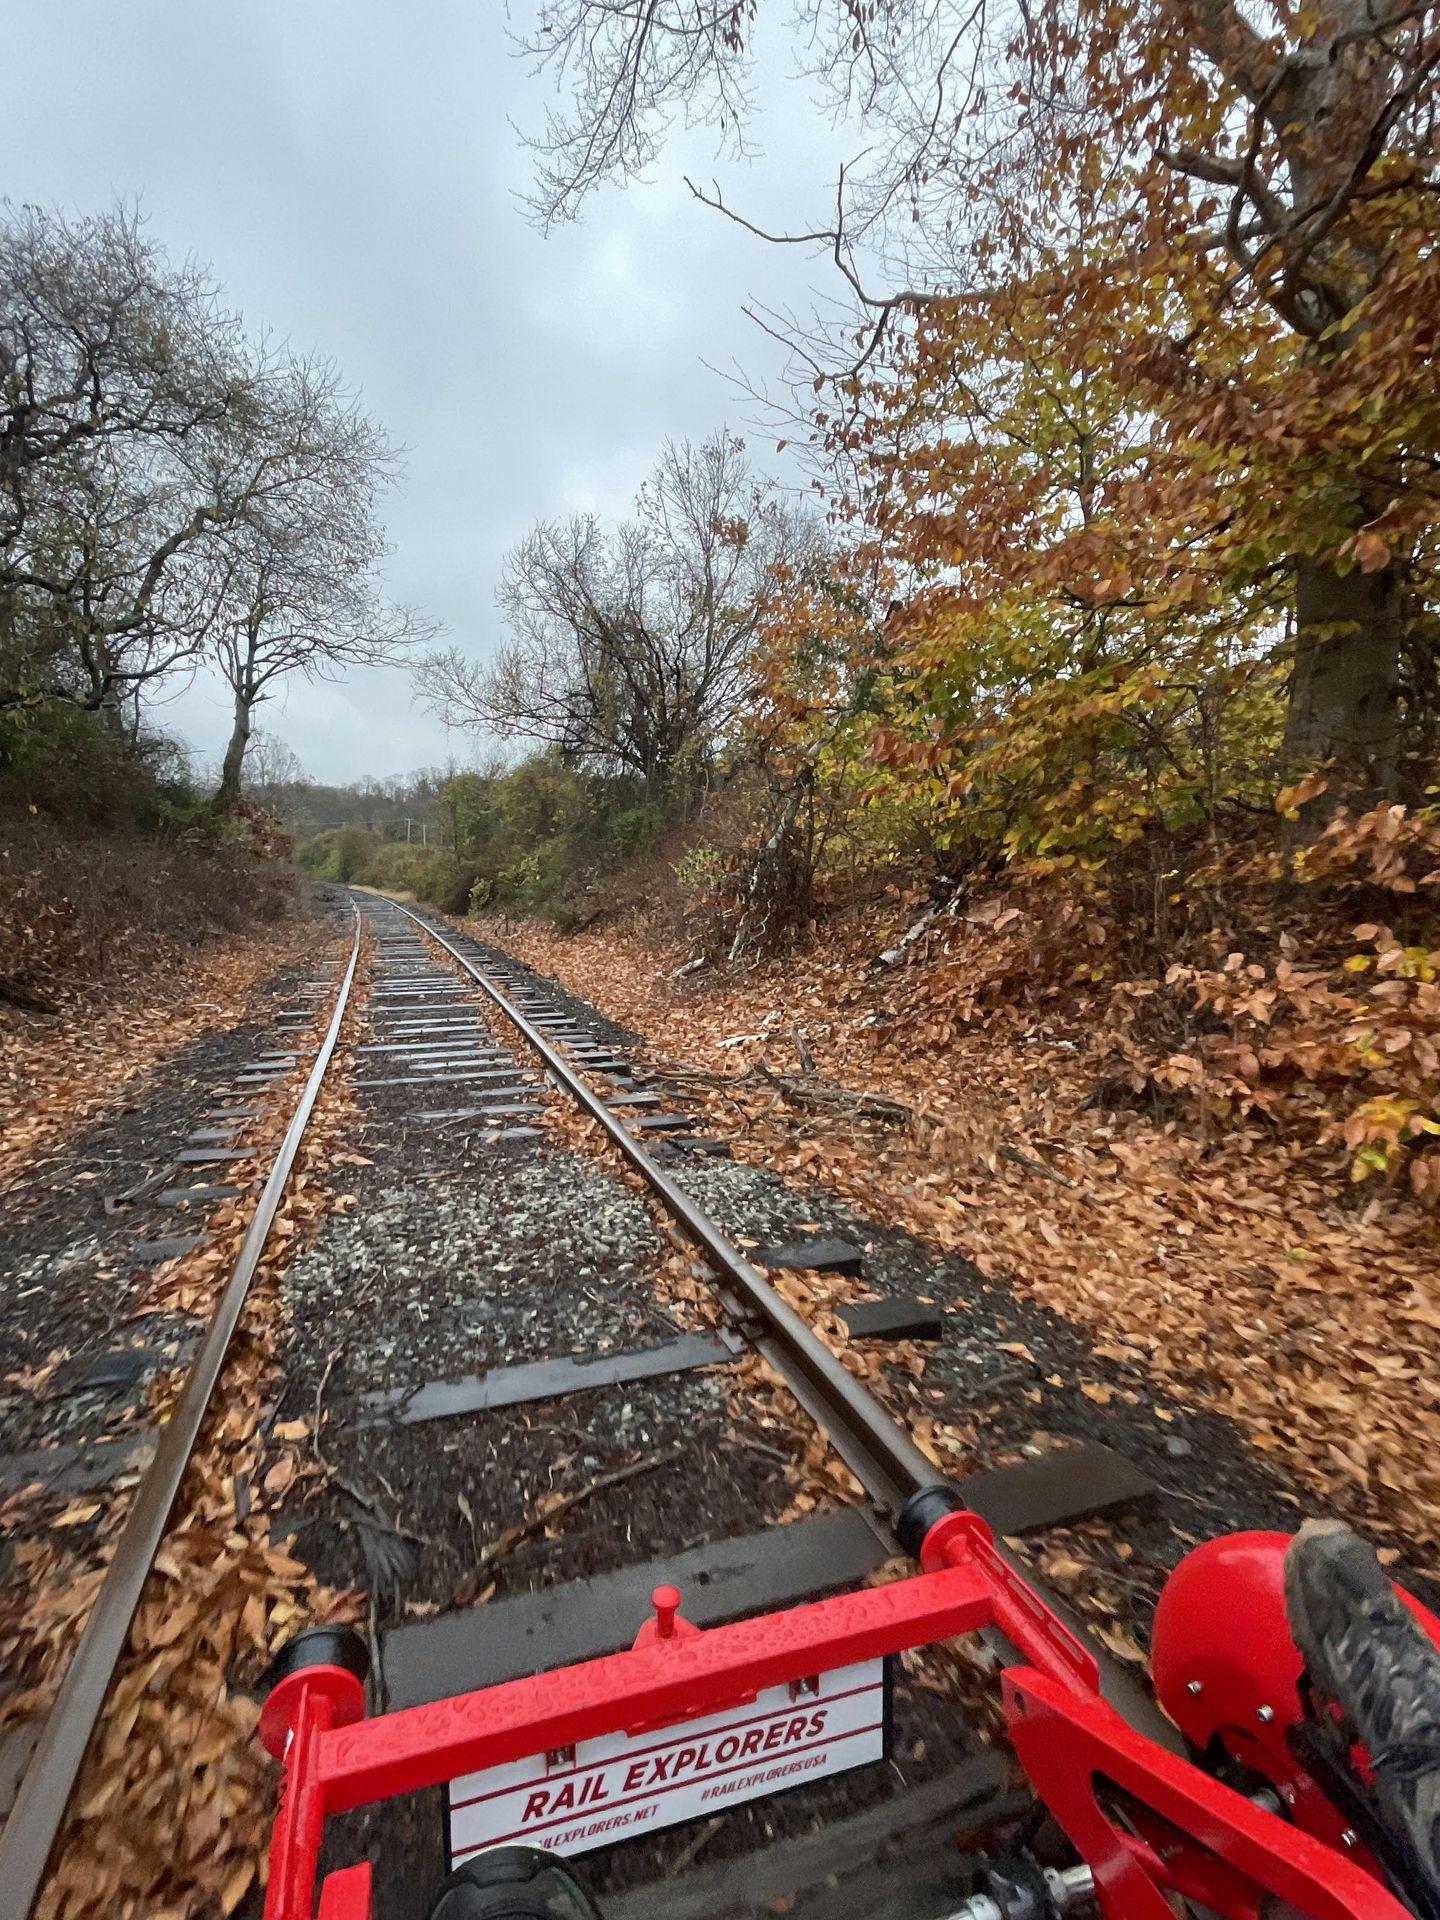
1343 698
779 887
106 695
227 794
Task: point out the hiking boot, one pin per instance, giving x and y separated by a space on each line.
514 1883
1368 1655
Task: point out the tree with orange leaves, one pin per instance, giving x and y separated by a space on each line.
1225 218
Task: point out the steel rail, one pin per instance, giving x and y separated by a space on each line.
45 1792
877 1450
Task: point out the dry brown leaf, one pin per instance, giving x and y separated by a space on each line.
77 1513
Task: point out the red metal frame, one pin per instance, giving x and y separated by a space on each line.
1144 1820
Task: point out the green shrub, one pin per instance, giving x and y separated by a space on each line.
636 828
343 855
445 881
396 867
61 763
532 837
702 869
536 882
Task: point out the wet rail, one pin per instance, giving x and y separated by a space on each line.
49 1782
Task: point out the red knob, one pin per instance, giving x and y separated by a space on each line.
667 1604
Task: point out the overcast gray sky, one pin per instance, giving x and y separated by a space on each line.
349 168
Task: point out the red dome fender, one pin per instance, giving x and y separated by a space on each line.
1226 1668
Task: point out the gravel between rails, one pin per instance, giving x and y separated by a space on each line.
466 1249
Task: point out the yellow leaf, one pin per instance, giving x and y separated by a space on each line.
233 1891
77 1513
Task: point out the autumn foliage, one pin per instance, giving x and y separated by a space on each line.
1129 448
1130 604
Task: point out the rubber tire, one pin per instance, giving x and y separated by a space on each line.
514 1883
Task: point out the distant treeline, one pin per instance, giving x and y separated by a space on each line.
534 837
390 809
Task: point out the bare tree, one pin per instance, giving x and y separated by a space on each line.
274 766
122 384
169 487
953 99
906 68
629 649
301 592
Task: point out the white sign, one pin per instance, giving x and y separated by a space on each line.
620 1785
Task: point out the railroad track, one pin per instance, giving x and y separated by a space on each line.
465 1050
49 1780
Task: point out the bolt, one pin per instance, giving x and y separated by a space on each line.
666 1601
1287 1794
1349 1837
1193 1686
1266 1715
